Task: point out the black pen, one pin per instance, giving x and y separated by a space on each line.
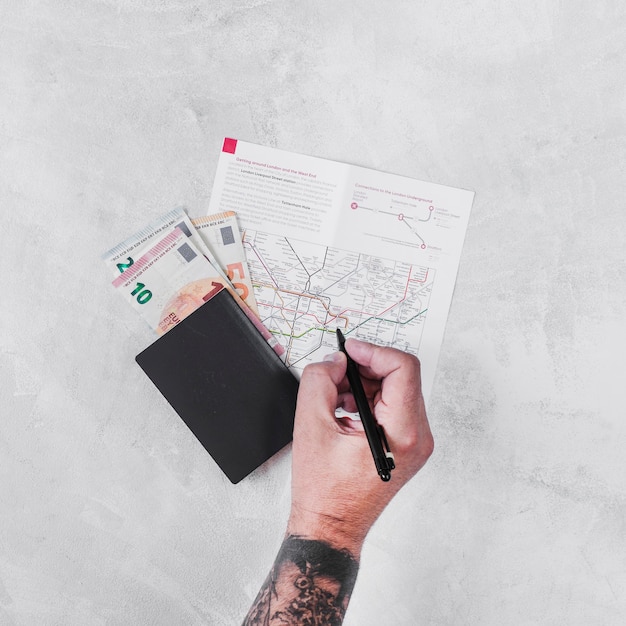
374 433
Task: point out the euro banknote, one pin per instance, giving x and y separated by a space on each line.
169 281
123 255
172 279
222 236
231 262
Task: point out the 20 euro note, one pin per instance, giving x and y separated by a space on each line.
222 236
171 280
123 256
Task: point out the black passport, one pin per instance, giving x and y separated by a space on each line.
226 383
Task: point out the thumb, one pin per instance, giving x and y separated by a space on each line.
319 381
338 365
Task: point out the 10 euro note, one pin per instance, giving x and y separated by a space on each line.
222 236
169 281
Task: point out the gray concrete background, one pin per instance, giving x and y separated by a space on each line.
113 111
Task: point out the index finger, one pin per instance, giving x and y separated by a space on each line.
379 362
401 388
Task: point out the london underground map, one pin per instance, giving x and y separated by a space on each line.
306 291
331 245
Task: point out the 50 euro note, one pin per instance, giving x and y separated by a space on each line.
222 236
171 280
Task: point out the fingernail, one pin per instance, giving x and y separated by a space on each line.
333 356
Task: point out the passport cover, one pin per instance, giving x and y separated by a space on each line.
226 383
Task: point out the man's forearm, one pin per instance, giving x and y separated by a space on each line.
310 584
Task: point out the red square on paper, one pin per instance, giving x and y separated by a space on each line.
230 145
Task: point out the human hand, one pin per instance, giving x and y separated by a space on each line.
336 492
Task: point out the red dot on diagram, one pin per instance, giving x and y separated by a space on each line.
400 216
431 208
354 205
423 246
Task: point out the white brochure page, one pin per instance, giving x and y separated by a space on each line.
333 245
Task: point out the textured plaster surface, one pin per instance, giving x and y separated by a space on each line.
112 112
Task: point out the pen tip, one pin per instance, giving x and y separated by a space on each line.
340 339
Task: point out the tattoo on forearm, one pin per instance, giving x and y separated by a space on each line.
310 585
